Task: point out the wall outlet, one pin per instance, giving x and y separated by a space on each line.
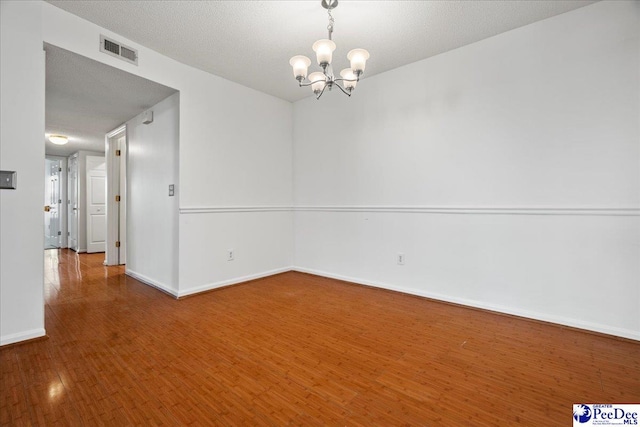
400 259
230 255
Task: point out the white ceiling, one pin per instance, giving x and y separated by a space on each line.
250 42
86 99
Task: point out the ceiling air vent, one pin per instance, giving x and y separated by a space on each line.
129 54
113 48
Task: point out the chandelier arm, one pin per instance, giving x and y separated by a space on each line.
300 84
341 88
346 80
325 86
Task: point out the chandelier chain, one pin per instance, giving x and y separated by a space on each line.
331 22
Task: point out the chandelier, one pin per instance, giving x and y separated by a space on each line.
320 81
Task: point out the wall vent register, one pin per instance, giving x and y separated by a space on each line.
114 48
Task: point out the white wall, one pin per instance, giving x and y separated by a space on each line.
261 239
507 172
152 215
236 191
22 150
540 118
235 148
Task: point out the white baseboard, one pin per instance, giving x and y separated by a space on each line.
148 281
234 281
22 336
574 323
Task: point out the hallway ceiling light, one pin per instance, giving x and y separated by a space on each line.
58 139
319 81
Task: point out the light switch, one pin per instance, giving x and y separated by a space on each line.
171 187
8 180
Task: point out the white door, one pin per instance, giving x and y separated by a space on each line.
52 228
73 214
96 204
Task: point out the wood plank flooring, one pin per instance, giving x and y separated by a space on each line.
295 349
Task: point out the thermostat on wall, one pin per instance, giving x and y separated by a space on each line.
8 180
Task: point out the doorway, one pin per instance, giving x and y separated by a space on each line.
93 120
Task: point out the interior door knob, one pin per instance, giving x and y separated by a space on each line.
47 208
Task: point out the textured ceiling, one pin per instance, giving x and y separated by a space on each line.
86 99
250 42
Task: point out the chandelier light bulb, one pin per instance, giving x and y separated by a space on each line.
324 51
300 64
318 81
350 79
358 58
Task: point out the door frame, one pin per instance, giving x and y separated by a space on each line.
76 158
112 253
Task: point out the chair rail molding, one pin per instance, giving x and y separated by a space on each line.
228 209
431 209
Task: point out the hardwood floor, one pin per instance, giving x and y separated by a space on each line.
295 349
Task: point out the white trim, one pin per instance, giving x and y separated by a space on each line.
116 131
474 210
148 281
22 336
482 210
227 209
235 281
113 188
75 156
574 323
